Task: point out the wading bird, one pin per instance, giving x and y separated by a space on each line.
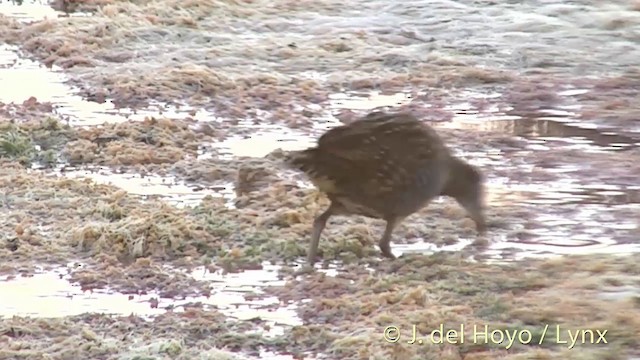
386 166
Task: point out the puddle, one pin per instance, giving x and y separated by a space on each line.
426 248
541 127
572 134
260 140
367 101
271 356
49 85
256 139
568 192
617 293
564 245
37 10
173 191
262 143
27 11
50 295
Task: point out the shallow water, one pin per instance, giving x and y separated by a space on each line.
49 85
262 142
548 130
27 11
176 192
47 294
50 295
367 101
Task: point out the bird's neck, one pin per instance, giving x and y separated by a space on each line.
456 178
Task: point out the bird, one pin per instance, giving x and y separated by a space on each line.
386 166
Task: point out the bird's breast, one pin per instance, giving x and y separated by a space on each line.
352 207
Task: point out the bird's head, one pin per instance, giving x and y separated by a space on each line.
466 184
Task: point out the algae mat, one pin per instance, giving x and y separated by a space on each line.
532 310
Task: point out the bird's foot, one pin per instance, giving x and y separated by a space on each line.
388 254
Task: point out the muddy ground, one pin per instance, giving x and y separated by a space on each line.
550 87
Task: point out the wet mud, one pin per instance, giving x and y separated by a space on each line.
146 213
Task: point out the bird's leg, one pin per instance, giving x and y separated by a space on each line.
318 225
386 238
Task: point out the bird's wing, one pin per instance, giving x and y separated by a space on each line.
380 151
359 140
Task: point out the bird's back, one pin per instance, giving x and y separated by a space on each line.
385 162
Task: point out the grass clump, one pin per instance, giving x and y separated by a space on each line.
16 146
34 141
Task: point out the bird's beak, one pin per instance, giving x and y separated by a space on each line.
481 225
476 213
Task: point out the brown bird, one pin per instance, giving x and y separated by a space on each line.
386 166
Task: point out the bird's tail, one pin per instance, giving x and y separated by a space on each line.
301 160
314 165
